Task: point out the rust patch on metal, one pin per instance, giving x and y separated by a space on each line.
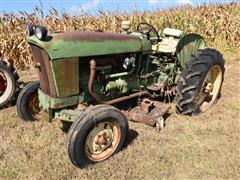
147 105
149 112
125 98
136 114
101 140
94 36
67 67
171 92
63 69
91 80
58 105
41 59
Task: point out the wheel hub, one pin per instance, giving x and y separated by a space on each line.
100 138
210 88
102 141
33 105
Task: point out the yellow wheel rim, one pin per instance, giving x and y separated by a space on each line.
33 105
210 88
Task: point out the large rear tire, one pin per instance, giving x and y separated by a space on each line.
8 83
27 102
200 83
99 132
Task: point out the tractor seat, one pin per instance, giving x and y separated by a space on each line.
176 33
169 41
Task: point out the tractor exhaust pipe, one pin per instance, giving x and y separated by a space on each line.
91 80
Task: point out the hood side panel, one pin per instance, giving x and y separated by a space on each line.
40 57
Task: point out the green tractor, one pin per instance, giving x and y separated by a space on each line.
96 81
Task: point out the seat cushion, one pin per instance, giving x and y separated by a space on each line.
172 32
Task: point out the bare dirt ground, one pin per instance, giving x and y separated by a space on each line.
202 147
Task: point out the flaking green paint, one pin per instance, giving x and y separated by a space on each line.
60 49
187 46
48 102
66 76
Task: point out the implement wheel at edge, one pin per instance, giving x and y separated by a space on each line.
200 83
8 83
27 102
97 134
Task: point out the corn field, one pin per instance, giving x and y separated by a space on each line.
214 22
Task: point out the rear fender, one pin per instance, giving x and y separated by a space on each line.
188 45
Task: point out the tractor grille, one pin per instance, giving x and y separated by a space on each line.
42 62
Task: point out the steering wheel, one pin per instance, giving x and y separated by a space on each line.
149 31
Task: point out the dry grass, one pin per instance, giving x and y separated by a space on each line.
202 147
216 22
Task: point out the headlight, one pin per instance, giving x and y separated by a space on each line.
30 29
41 32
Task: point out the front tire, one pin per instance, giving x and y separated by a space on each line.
200 84
99 132
27 102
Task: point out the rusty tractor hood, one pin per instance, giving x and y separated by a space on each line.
83 44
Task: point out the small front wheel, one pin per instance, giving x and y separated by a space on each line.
96 135
28 103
